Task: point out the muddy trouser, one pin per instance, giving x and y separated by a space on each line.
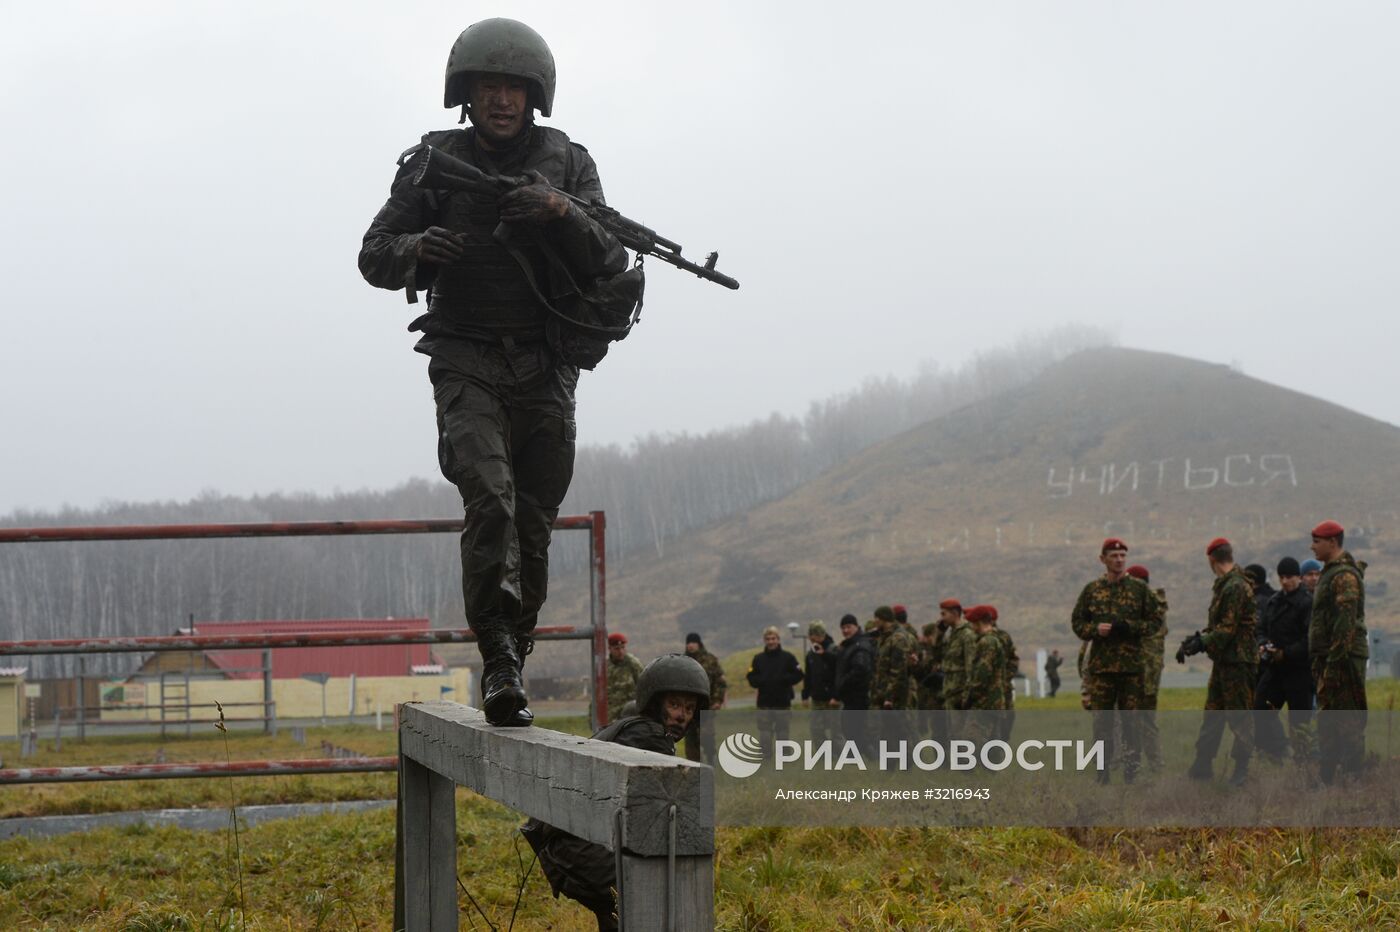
1342 737
1275 689
506 441
1229 698
1110 693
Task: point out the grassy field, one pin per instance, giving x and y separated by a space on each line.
336 872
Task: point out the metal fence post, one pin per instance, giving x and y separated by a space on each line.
598 615
269 710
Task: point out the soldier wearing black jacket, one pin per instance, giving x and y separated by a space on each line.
1283 662
855 668
819 681
773 672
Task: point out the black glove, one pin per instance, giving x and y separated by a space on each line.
1190 647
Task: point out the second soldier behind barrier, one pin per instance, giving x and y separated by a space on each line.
671 691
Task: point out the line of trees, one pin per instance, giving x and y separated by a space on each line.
653 492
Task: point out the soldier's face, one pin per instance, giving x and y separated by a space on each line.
691 647
1289 583
617 652
1310 579
677 709
499 106
1325 548
1115 561
849 631
770 641
947 616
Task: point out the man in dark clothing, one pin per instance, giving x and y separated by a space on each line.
1263 592
671 692
773 673
504 395
1283 657
855 667
1052 671
819 680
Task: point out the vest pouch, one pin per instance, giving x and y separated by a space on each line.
582 327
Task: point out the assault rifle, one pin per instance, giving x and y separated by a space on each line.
433 168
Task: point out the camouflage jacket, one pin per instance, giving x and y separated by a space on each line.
1154 648
1011 664
1229 634
1133 611
892 682
718 684
986 672
957 654
1338 629
622 684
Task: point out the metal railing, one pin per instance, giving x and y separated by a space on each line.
596 633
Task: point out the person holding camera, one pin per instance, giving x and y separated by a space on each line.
1283 663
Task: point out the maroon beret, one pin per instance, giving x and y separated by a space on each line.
1216 544
952 605
979 613
617 637
1138 570
1113 543
1328 529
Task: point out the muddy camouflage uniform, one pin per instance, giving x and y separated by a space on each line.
892 682
505 405
1229 642
1113 668
622 683
986 694
1338 651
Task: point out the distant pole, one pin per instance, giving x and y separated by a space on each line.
82 699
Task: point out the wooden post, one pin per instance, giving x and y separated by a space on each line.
575 784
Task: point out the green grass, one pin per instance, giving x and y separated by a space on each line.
336 872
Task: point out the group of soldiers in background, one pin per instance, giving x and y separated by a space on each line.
1302 645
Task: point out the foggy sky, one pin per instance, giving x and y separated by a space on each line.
186 186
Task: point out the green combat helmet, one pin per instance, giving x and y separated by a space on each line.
501 46
673 673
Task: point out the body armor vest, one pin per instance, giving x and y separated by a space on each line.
486 290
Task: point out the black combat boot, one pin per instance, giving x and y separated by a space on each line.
524 645
1241 773
502 694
